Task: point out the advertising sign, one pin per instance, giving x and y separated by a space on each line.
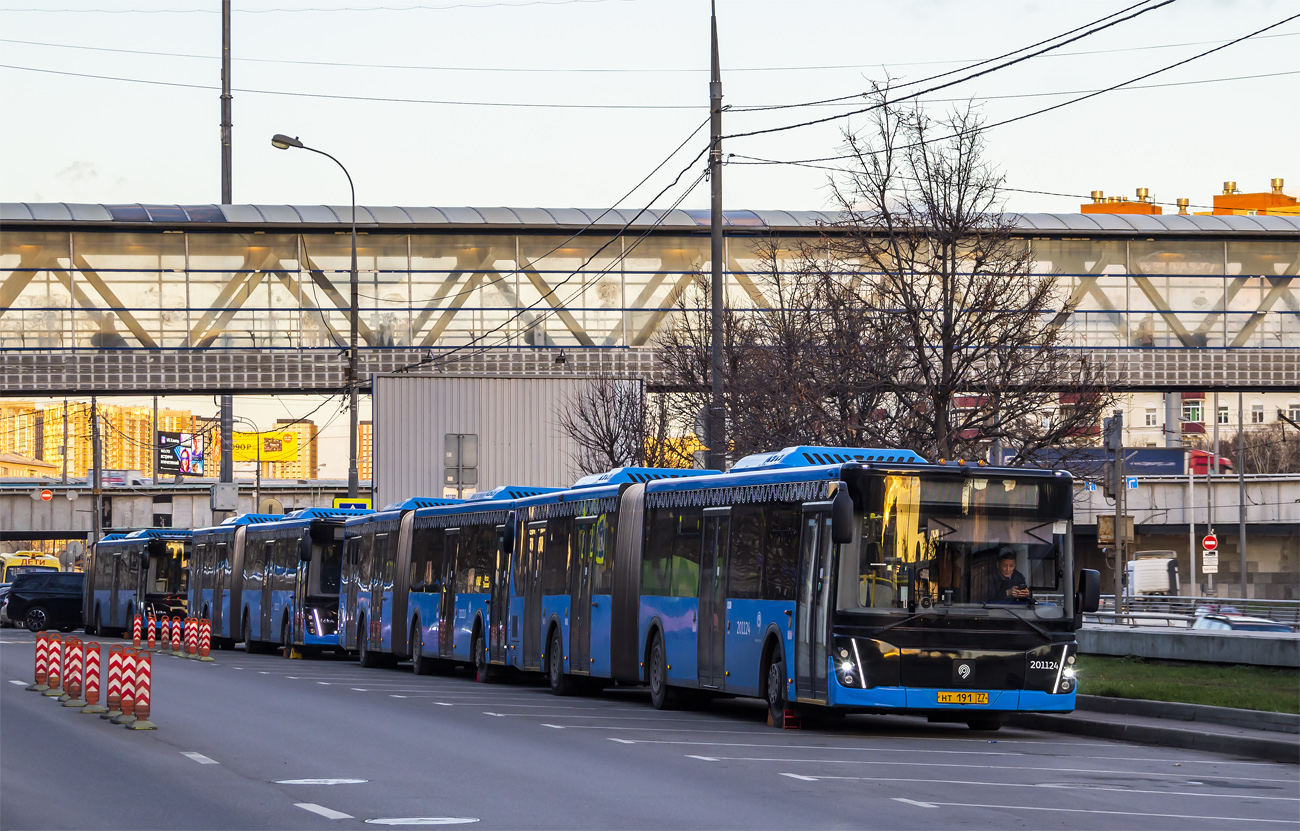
275 446
180 454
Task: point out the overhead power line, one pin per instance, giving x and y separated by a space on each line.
411 8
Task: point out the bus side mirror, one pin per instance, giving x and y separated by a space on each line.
304 549
1087 591
842 517
508 534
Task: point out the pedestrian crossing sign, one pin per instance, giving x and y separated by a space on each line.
353 503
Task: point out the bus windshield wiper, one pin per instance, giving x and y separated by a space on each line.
1040 630
907 619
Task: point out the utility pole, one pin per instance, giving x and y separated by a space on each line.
227 198
1241 492
1113 431
1211 463
65 441
717 412
153 451
96 474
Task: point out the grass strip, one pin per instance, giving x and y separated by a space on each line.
1244 687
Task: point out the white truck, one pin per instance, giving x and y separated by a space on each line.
1152 573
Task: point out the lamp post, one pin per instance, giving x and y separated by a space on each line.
284 142
257 486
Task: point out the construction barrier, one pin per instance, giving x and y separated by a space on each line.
42 664
114 693
128 688
54 675
205 640
92 681
192 637
176 636
162 634
143 681
136 623
74 674
151 641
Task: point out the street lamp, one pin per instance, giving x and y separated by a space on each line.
284 142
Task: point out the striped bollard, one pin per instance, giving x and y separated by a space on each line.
152 640
42 664
136 623
128 688
205 640
54 675
191 637
176 636
92 681
114 692
143 681
74 677
162 634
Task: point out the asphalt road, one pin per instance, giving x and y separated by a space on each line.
234 735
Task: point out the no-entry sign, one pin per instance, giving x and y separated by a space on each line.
47 495
1210 543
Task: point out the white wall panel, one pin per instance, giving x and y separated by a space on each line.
516 421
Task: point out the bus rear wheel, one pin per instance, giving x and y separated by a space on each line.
368 659
561 684
483 673
419 664
662 696
776 703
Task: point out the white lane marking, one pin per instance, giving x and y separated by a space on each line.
621 741
1061 786
443 704
324 683
703 758
594 718
555 726
19 683
263 672
914 802
199 757
895 763
236 667
1005 808
328 813
876 749
292 677
421 821
397 696
359 689
320 781
801 777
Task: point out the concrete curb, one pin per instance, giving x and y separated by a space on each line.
1273 750
1176 711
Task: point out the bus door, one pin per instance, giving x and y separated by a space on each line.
303 571
583 573
713 624
375 618
272 559
532 591
500 599
447 602
348 585
121 583
812 628
402 585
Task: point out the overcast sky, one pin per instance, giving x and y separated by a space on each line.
74 138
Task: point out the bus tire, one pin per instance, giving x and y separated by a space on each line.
94 627
483 672
662 696
251 647
286 645
774 688
420 664
989 723
561 683
365 655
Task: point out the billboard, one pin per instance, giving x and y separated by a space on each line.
180 454
274 446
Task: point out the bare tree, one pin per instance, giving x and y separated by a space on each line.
925 250
606 419
1271 449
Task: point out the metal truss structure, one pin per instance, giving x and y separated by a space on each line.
243 299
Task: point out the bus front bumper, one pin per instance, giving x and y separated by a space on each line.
927 699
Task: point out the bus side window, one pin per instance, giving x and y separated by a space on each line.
746 560
555 556
686 552
781 553
656 562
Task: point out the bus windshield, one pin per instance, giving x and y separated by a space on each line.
331 569
938 542
170 573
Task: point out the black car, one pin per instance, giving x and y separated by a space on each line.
46 600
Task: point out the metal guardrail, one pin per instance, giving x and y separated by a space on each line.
1141 619
1283 611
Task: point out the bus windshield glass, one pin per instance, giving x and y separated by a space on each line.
331 569
170 573
937 542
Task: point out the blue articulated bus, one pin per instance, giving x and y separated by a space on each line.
842 579
422 579
272 581
145 571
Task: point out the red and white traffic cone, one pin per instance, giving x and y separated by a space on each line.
205 640
176 636
192 637
162 633
136 623
74 677
42 664
92 681
128 688
54 676
150 641
114 691
143 681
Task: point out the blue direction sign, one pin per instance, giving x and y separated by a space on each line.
1132 483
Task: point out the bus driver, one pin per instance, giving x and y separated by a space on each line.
1008 585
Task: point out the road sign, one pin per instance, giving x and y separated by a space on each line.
1090 486
356 503
1132 482
1209 562
1210 542
47 495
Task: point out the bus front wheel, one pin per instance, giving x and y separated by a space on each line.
482 669
561 684
776 703
419 663
662 696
